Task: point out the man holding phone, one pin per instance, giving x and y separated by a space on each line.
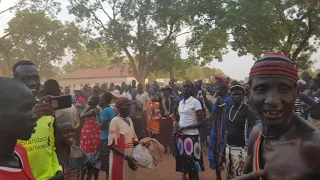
65 111
40 147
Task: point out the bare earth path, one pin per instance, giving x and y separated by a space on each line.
166 171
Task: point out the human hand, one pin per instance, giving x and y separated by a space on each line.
253 175
44 107
179 130
219 100
58 176
132 163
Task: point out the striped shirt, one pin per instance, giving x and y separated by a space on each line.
298 107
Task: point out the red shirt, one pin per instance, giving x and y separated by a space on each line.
18 173
81 99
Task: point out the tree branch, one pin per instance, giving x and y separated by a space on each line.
4 36
10 8
182 34
305 39
165 41
101 8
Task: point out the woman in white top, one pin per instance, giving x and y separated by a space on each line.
189 158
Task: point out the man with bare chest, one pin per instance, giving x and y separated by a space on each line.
236 149
284 146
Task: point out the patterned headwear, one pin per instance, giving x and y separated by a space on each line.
120 101
274 65
237 87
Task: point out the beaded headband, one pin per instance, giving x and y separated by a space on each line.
274 65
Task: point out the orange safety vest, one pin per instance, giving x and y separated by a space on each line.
153 121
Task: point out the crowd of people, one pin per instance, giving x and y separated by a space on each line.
103 126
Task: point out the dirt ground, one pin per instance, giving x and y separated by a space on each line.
166 171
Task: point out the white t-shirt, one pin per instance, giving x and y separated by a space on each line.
187 111
127 95
143 97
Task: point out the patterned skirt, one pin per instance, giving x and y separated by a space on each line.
236 157
103 155
188 154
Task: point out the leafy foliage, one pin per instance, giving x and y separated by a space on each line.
291 27
36 36
138 28
198 72
92 57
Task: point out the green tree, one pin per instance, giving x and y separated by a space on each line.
139 29
36 36
291 27
90 58
198 72
169 61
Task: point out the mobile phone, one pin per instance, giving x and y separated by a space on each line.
61 102
200 92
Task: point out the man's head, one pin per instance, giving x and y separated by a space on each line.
27 72
77 94
155 83
96 90
17 118
103 86
154 90
234 82
167 90
221 90
124 106
105 99
313 85
140 88
123 85
188 89
198 84
273 89
134 83
172 82
93 101
67 90
51 87
237 93
306 76
111 85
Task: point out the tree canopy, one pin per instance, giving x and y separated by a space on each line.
140 29
91 57
36 36
291 27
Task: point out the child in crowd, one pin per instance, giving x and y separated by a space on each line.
72 158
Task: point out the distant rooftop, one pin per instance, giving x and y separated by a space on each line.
106 71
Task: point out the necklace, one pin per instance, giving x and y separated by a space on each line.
235 115
125 120
271 137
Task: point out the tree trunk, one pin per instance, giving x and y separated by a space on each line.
141 79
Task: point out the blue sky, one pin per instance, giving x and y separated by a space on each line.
234 66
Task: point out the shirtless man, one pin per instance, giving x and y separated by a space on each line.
236 150
284 146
